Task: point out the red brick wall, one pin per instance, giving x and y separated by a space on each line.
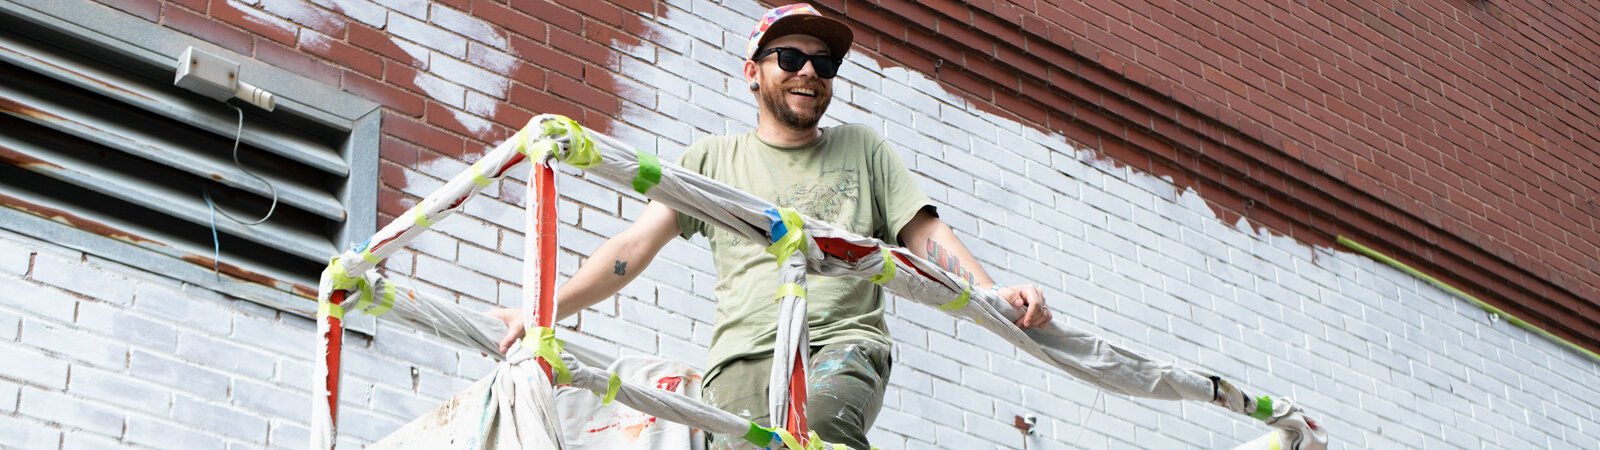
1459 135
569 77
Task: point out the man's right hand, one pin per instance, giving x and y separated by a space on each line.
514 328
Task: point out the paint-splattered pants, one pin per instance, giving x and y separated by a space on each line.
846 391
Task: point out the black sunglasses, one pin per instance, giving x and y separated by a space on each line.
791 60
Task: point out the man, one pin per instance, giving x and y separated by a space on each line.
847 176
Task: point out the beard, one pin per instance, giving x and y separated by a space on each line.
774 101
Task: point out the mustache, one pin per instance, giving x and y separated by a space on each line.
812 84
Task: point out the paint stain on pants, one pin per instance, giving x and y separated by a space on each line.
847 382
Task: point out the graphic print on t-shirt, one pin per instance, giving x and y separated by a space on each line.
827 197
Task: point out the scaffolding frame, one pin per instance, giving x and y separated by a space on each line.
800 245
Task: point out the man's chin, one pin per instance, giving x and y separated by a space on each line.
810 114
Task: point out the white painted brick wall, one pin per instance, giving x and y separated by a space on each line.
96 354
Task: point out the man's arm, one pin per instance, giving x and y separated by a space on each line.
930 238
616 263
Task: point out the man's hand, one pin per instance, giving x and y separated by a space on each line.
1030 299
514 329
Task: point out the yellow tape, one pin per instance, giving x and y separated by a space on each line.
885 275
341 279
580 149
329 309
612 386
763 437
477 174
788 439
961 301
363 296
420 219
793 237
1277 440
525 142
385 300
548 348
790 289
366 255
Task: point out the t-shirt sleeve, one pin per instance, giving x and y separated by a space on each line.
897 188
693 160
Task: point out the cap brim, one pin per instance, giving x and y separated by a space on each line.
833 33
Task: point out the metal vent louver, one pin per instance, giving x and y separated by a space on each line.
106 144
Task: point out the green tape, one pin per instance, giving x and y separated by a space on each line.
1263 408
612 386
758 435
1374 254
649 173
887 273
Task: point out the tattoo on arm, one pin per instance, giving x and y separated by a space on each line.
947 261
620 268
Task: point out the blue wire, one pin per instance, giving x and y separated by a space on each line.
216 243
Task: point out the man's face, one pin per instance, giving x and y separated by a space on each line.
796 100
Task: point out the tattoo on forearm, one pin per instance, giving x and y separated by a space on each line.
620 268
947 261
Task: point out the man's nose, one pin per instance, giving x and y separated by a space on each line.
807 70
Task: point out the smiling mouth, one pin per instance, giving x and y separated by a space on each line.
803 92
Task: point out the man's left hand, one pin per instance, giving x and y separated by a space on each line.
1030 299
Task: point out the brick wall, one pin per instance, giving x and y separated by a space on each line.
1454 135
117 356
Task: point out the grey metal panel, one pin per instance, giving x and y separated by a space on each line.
361 193
148 255
184 205
61 114
349 147
204 113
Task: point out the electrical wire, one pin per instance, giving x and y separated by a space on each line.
1083 419
205 192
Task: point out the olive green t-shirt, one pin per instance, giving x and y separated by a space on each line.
849 177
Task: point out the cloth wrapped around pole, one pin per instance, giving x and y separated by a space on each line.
1077 352
1080 353
346 274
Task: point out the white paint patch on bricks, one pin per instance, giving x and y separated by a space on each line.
305 14
258 17
363 11
463 68
466 25
1388 361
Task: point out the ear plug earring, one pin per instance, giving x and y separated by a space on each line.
755 86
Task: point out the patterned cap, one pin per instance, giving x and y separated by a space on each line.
799 18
